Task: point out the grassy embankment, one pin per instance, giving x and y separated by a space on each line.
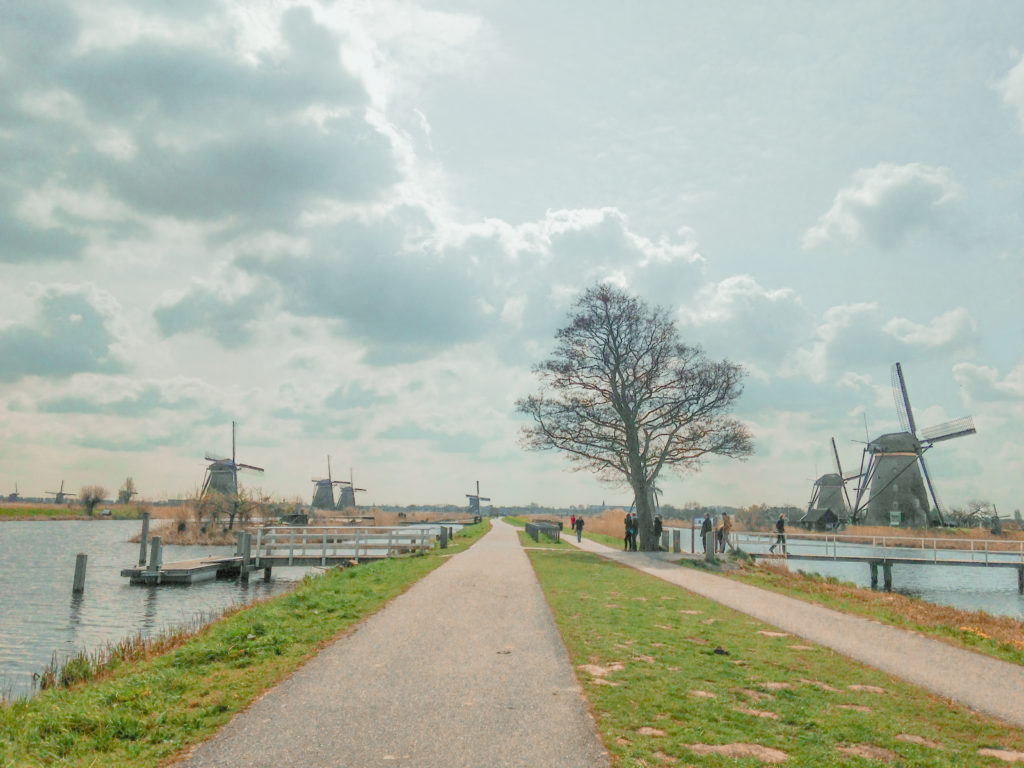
150 700
11 511
999 636
646 655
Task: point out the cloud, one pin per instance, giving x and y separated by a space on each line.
884 204
72 333
953 328
141 401
1012 90
982 384
229 318
446 442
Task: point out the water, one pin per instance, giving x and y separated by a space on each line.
39 616
969 588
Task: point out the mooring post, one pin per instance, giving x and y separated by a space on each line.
887 576
1020 580
145 537
444 537
266 574
874 574
79 584
709 547
156 554
245 540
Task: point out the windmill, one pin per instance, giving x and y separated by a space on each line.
14 496
59 496
892 488
475 499
222 474
323 489
830 502
347 497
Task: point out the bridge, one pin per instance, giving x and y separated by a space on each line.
882 552
289 545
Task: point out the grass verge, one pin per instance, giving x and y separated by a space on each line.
141 712
999 636
647 655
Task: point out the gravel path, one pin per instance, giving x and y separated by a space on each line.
980 682
467 668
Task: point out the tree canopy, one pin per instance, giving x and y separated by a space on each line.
624 397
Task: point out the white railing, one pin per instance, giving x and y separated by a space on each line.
304 545
827 545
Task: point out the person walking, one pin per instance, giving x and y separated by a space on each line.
658 528
634 529
705 528
780 534
572 523
726 530
627 540
578 525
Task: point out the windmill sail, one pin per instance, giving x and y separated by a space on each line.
899 391
948 430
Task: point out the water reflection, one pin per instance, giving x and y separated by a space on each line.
37 620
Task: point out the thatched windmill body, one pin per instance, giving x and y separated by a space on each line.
222 474
14 496
830 502
347 497
60 496
323 489
895 485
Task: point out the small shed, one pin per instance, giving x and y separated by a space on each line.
820 519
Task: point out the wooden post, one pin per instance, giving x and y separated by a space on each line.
266 574
1020 580
78 587
245 539
887 576
444 537
693 544
144 539
709 547
156 552
874 574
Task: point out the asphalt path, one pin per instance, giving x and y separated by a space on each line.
980 682
466 668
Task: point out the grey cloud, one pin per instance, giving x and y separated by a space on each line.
229 319
355 396
70 335
20 242
145 402
136 442
443 441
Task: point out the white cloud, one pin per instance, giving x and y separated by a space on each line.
884 204
954 327
1012 90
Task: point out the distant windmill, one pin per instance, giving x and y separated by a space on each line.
59 496
124 496
347 497
14 496
222 474
830 502
475 499
323 489
892 486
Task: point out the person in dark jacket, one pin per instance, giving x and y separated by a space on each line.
780 534
658 528
578 525
705 528
628 539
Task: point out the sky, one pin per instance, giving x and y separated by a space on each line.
354 228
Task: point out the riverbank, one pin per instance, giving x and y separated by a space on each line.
140 711
23 512
998 636
674 678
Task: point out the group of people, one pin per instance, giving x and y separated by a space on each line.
576 523
721 532
633 529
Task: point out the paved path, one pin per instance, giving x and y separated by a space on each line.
980 682
467 668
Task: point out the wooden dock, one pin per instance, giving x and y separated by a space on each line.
282 546
884 552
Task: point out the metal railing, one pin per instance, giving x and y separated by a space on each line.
551 530
304 545
930 548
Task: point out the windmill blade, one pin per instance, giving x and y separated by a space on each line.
839 471
899 393
948 430
931 488
249 466
210 457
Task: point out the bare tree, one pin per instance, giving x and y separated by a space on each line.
90 496
625 398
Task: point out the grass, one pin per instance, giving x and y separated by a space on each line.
999 636
661 695
141 711
66 512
